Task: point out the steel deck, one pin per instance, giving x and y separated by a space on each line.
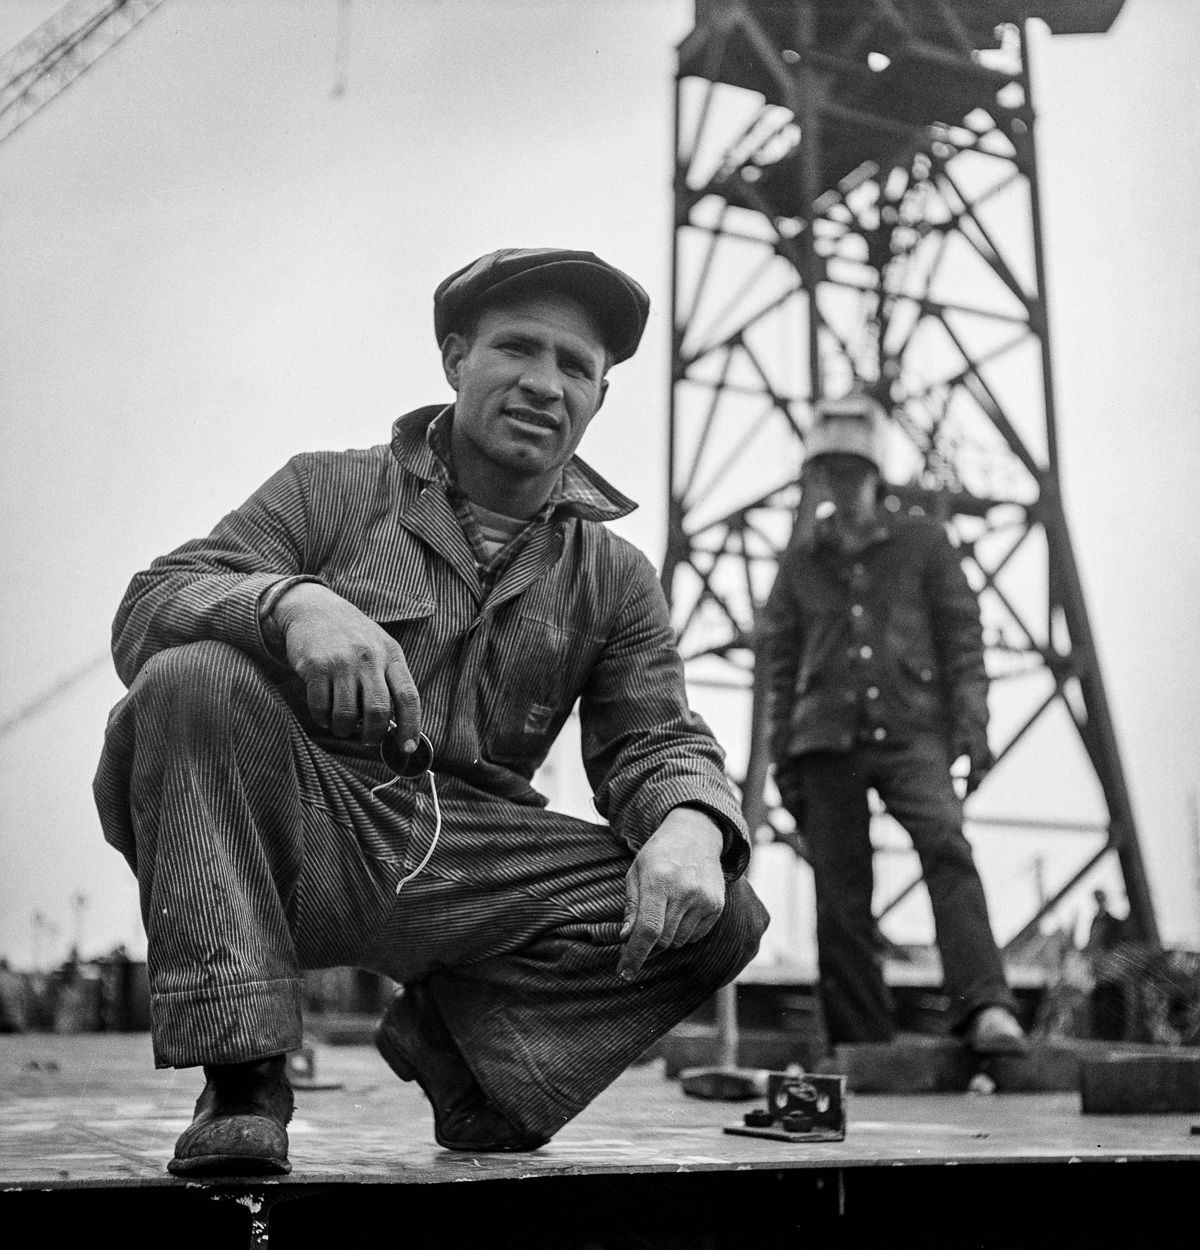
86 1126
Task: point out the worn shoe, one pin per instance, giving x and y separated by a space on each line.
414 1040
995 1031
240 1124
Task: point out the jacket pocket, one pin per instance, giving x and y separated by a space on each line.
397 588
539 670
919 689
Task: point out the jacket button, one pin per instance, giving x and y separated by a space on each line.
856 610
865 652
872 692
879 734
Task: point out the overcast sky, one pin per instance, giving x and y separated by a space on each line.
211 259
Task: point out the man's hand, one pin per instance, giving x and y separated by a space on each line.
789 781
356 677
973 759
674 889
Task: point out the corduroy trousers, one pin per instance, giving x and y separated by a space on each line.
259 855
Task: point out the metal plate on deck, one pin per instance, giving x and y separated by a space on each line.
801 1107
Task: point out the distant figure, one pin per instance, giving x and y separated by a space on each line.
337 704
873 650
1109 1001
1106 929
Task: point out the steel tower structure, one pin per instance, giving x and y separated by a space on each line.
856 206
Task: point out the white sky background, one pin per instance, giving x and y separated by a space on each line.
208 261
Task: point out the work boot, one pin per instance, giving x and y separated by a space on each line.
414 1040
995 1031
239 1128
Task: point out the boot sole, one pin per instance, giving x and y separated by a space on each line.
228 1165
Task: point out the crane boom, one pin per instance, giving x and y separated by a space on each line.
49 59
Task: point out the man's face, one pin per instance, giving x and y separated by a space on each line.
849 482
528 381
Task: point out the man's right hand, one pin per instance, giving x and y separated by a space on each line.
356 678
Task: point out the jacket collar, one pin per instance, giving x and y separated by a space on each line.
881 533
419 436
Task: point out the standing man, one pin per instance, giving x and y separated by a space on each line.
337 703
875 680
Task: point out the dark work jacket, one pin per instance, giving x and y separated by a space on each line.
879 646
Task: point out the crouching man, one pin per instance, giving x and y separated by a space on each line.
336 705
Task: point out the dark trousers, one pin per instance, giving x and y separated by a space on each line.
914 783
260 855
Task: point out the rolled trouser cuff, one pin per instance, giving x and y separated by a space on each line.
227 1024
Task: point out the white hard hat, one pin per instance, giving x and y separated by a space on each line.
855 425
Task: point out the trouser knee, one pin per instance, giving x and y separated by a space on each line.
945 851
734 939
198 680
190 713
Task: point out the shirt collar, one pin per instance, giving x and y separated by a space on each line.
421 443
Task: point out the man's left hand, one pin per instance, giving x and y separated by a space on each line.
674 889
973 747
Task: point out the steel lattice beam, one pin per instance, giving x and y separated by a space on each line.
856 203
46 62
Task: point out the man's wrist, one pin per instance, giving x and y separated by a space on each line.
270 624
705 821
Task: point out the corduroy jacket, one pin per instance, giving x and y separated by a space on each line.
879 646
578 617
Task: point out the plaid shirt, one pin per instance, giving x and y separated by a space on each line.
491 568
568 613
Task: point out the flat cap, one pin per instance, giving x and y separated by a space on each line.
617 302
